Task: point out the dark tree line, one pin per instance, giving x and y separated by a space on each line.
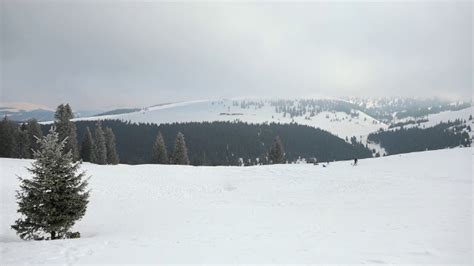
223 143
403 140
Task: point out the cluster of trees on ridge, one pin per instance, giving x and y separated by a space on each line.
403 140
383 109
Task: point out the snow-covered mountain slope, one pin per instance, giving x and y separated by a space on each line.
339 123
412 208
464 116
434 119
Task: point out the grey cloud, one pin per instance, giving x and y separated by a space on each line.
111 54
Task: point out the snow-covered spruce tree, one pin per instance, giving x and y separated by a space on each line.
180 153
66 128
55 197
87 146
159 153
100 150
277 153
112 156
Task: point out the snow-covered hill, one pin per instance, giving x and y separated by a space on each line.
339 123
412 208
442 117
340 117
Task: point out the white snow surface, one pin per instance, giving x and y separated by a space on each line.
224 110
410 208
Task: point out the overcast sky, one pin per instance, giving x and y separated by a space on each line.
136 54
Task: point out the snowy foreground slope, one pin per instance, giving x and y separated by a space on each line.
411 208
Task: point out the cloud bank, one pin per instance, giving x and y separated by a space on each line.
134 54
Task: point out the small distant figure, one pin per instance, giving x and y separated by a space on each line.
355 162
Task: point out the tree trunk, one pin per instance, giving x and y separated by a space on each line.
53 235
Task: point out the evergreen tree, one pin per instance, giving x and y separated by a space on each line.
277 153
100 149
66 129
55 197
159 153
22 149
7 138
34 133
112 156
180 153
87 147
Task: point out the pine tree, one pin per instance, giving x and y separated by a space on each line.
100 149
67 129
277 153
180 153
34 132
159 153
22 149
7 138
87 146
112 156
55 197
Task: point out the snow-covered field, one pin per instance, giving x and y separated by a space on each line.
411 208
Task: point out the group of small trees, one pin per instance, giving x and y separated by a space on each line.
19 141
179 155
102 149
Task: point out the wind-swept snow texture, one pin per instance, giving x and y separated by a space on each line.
410 208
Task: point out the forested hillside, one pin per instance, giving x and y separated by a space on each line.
403 140
224 143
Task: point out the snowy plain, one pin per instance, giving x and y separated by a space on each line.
411 208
